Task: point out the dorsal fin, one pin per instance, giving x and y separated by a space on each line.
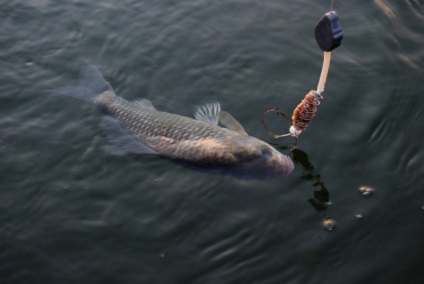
208 113
231 123
143 103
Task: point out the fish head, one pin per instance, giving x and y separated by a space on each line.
261 158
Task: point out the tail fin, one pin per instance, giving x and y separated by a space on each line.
91 84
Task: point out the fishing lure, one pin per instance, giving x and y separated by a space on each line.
328 34
305 111
302 115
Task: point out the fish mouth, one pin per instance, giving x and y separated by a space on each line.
285 165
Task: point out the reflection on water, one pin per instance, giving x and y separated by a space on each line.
366 190
386 8
329 224
321 197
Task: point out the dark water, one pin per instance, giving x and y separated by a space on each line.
72 210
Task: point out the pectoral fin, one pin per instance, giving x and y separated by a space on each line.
122 139
231 123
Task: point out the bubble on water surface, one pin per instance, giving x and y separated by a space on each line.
329 224
366 190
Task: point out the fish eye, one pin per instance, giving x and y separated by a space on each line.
265 153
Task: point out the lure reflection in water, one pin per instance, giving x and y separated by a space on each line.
321 197
137 127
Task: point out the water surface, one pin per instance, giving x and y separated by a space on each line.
73 210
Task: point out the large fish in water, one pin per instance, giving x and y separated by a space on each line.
138 127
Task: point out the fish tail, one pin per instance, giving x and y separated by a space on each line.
90 84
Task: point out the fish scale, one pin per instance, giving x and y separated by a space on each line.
164 131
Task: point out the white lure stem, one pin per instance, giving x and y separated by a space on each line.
324 72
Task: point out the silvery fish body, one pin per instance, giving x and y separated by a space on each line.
138 127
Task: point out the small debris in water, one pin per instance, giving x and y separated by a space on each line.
366 190
359 216
329 224
329 203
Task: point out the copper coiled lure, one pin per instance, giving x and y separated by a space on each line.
305 111
302 115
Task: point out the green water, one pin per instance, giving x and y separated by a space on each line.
73 210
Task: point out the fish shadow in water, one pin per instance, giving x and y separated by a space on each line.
321 196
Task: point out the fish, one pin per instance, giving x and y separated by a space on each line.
213 140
